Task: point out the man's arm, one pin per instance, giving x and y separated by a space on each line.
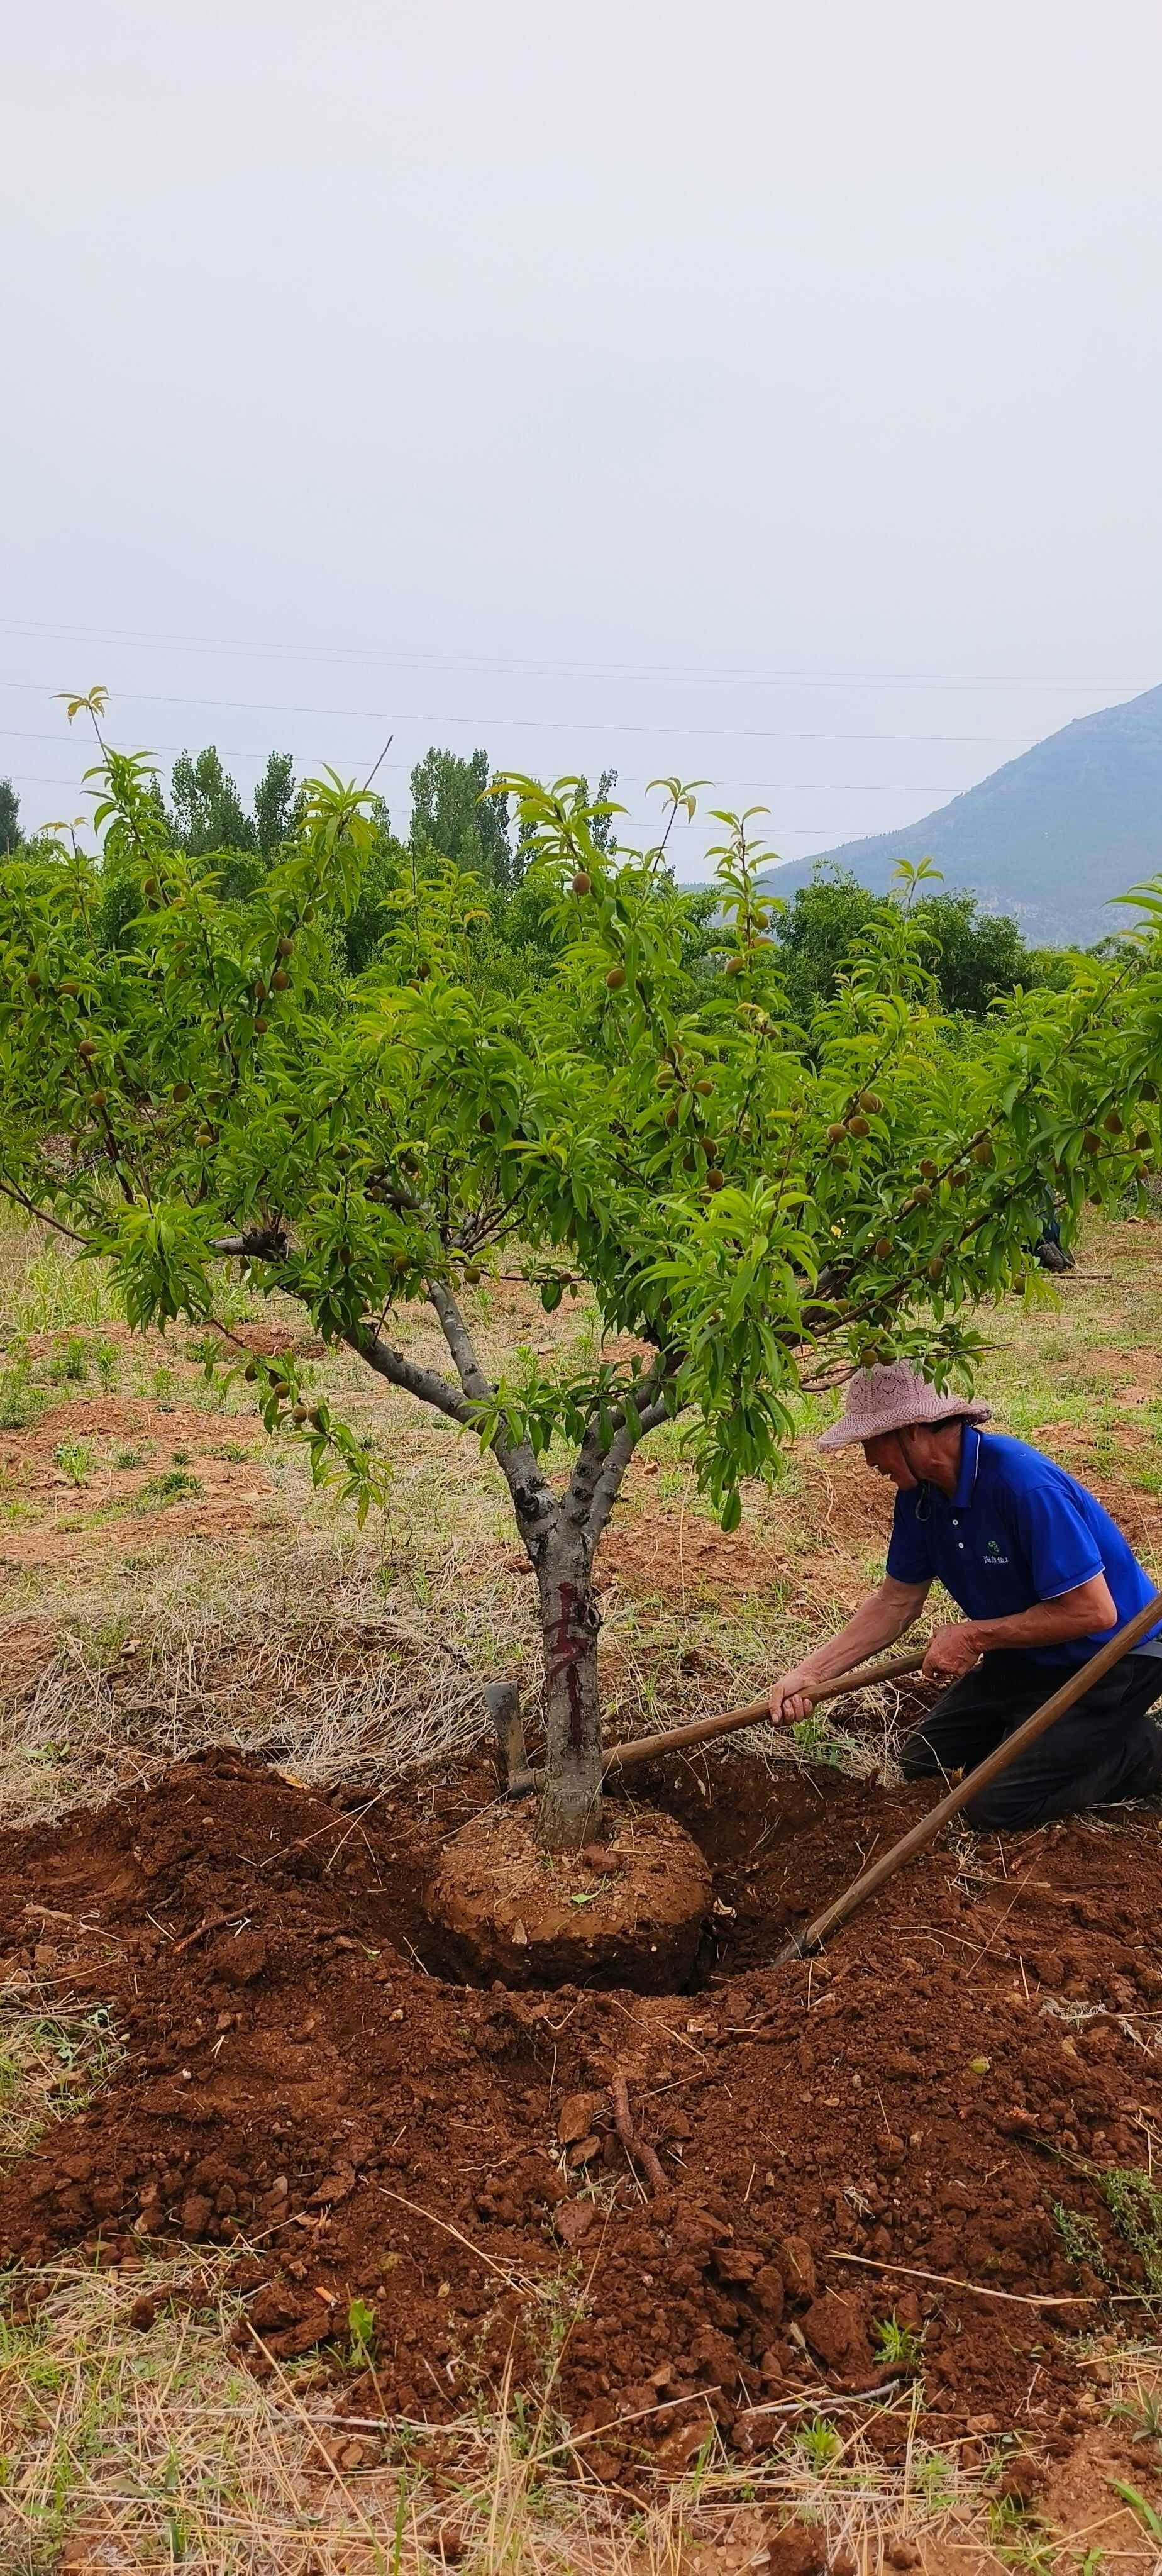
877 1623
1084 1612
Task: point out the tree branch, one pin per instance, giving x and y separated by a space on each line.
9 1190
425 1383
265 1244
460 1343
491 1226
599 1471
534 1501
617 1458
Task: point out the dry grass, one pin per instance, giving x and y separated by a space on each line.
53 2056
302 1659
141 2445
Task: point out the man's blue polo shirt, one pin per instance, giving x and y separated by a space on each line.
1016 1531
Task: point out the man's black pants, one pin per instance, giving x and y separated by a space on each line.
1105 1746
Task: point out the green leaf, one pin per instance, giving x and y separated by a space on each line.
1149 2519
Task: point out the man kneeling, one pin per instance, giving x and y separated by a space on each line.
1044 1578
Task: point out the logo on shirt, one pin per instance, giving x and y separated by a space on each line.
992 1554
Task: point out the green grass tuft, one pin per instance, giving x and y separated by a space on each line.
175 1486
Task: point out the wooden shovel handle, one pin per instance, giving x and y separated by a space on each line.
642 1748
1074 1688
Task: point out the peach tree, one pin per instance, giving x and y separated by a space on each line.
755 1206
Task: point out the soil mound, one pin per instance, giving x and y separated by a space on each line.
629 1910
946 2095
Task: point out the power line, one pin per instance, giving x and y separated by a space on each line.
631 670
791 734
541 724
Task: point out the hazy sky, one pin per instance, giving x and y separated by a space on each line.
765 392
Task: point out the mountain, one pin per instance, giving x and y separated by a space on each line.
1049 838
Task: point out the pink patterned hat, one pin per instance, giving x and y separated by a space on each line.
891 1399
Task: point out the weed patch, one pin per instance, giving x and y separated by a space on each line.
76 1459
70 1366
177 1485
20 1400
1081 2238
1135 2206
51 2065
899 2347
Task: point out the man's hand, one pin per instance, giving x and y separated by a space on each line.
790 1699
953 1650
877 1623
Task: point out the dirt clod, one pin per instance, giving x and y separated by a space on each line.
574 2117
574 2219
798 2263
1021 2482
239 1962
834 2330
798 2549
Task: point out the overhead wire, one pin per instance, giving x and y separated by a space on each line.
591 664
606 726
608 729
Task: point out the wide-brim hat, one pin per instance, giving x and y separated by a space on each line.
892 1398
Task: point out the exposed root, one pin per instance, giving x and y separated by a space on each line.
214 1923
635 2147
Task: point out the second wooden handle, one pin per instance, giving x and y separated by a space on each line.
642 1748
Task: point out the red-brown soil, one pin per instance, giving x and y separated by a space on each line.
230 1491
674 1554
975 2048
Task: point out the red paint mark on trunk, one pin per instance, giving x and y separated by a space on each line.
566 1648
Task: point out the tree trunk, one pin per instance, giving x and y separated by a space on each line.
570 1809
